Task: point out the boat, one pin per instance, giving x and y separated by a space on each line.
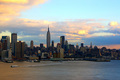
12 66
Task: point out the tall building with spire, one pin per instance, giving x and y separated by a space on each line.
48 38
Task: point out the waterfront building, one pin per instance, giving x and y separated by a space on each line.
6 55
48 38
45 55
31 44
62 41
13 41
19 50
61 53
3 54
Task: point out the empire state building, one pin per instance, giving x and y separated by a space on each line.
48 38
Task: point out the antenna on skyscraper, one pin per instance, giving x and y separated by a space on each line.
48 27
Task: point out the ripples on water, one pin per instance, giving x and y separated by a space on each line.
68 70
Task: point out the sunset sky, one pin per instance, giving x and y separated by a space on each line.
96 21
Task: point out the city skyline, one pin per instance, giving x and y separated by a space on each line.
79 21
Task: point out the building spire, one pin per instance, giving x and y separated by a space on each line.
48 28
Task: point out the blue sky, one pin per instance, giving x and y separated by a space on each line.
96 21
60 10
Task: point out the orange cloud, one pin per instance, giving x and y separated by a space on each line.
9 9
34 23
14 1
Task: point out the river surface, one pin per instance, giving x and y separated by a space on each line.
66 70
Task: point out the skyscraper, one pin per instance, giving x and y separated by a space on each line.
62 40
19 50
48 38
6 42
13 41
41 45
31 44
66 46
52 44
82 45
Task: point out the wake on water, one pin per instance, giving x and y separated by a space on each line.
40 65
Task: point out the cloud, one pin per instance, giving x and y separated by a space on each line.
28 29
9 9
5 33
75 31
82 32
103 34
15 1
113 23
34 23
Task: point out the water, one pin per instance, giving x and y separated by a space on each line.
68 70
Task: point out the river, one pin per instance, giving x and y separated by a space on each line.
66 70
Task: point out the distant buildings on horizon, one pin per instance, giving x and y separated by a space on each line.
20 51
